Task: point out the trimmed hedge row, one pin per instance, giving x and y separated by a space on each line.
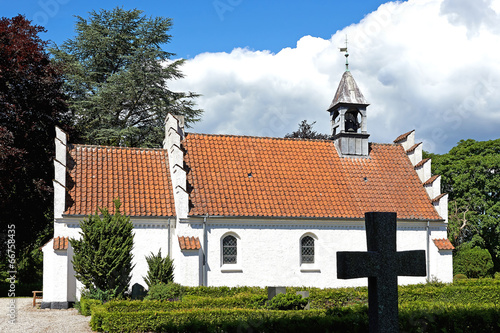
189 302
227 320
415 317
450 294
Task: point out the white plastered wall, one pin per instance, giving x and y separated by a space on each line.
59 283
269 251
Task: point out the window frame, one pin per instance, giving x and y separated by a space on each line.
311 257
229 267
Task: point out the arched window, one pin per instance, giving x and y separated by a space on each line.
307 250
229 250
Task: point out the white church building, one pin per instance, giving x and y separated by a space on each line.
251 211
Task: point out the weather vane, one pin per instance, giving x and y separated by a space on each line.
344 49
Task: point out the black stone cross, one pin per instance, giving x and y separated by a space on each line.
382 264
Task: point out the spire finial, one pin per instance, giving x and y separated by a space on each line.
344 49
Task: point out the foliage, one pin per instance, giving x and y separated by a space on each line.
471 175
165 291
223 291
413 317
474 262
160 270
102 257
305 131
31 104
466 306
84 306
287 302
117 73
459 277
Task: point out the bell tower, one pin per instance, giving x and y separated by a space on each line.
348 117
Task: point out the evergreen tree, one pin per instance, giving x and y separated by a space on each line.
116 75
305 131
103 256
160 270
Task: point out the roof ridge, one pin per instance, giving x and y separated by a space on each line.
257 137
115 147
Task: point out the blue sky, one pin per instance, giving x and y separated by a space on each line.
208 25
264 66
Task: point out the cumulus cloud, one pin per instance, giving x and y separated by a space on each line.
429 65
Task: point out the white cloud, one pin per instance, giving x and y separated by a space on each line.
429 65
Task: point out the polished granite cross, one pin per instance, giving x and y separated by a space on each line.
382 264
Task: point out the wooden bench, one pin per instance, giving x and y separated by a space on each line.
37 294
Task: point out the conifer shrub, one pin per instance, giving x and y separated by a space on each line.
102 257
160 270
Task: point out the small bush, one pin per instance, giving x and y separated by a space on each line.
287 302
84 306
163 292
460 277
160 270
474 262
100 295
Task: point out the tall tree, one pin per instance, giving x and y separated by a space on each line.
117 75
103 256
31 104
471 175
305 131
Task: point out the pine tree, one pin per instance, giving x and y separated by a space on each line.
103 256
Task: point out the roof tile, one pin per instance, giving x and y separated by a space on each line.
403 136
275 177
443 244
431 180
189 243
98 175
60 243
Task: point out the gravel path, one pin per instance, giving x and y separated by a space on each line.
31 319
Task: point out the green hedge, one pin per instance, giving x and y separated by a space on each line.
189 302
228 320
450 294
464 306
223 291
414 317
85 305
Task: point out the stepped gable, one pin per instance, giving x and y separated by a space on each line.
139 177
298 178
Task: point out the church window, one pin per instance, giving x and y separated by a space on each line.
307 250
229 250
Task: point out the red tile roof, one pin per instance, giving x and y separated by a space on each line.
443 244
403 136
254 176
139 177
189 243
60 243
